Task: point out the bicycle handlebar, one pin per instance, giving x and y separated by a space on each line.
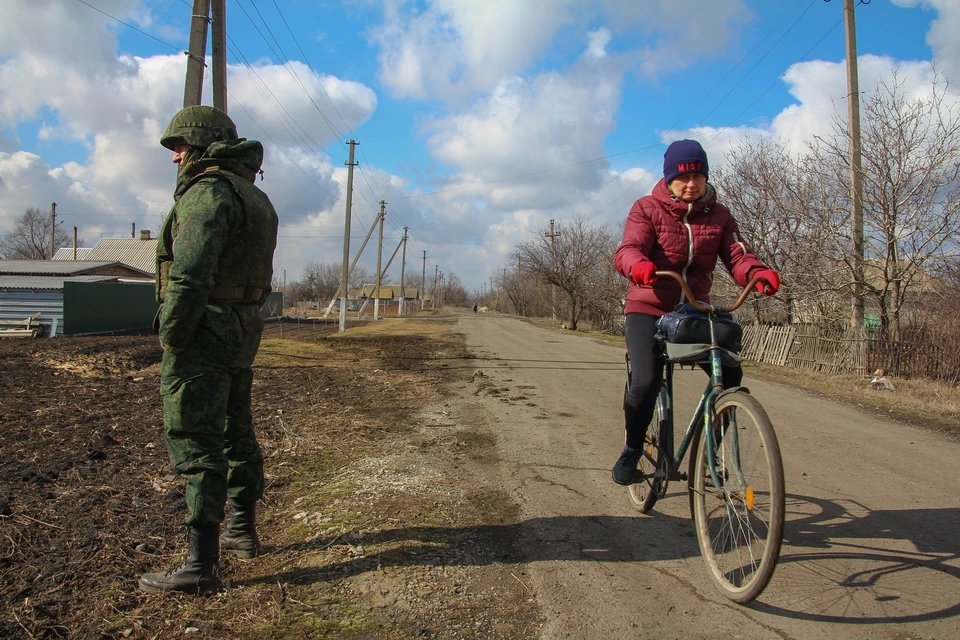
706 307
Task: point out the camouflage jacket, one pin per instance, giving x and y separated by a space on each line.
218 238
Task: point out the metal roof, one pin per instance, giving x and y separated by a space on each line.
66 253
51 267
45 283
138 253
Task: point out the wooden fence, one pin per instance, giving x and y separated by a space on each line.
811 347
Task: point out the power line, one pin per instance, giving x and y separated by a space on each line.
166 44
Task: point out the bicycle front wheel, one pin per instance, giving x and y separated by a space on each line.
653 464
740 523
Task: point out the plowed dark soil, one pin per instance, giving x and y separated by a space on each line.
88 502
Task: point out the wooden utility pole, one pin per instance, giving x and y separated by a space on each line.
856 169
346 239
403 266
219 51
53 229
423 281
196 56
376 289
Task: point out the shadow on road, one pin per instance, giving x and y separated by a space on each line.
840 562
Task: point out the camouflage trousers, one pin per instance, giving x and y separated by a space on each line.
209 430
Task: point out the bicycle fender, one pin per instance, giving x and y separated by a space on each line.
732 390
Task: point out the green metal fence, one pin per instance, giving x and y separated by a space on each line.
102 307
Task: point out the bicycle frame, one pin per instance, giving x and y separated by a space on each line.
703 414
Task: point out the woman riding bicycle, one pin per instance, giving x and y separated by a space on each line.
679 227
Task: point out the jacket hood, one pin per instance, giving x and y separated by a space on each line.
242 157
678 207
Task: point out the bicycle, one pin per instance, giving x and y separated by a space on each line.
735 474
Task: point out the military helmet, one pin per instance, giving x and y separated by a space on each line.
199 126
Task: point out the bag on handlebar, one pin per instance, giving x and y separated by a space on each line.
686 325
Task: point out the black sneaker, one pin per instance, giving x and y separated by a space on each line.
625 471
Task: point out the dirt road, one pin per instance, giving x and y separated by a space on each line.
871 545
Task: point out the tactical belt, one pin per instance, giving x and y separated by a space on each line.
235 294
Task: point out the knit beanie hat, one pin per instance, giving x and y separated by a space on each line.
684 156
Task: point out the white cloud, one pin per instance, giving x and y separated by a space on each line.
453 49
942 36
59 72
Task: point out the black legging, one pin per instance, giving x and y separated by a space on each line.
647 374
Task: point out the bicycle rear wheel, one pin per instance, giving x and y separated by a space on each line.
644 494
740 524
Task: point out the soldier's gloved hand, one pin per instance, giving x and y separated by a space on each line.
170 349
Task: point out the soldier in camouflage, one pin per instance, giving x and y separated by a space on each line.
214 270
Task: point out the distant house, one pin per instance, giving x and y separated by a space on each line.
32 287
139 253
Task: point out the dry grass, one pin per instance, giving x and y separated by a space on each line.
921 402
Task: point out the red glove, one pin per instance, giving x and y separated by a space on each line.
644 272
772 278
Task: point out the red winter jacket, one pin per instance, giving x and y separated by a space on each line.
686 237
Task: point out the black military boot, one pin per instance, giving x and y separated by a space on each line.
240 536
198 573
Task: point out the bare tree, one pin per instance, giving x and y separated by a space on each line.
778 204
454 292
30 237
320 281
911 192
575 261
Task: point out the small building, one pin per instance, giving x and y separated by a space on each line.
36 288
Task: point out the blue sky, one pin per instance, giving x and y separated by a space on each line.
478 122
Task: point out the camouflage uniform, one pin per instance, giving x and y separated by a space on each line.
214 269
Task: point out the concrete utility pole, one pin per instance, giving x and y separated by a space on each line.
436 281
423 281
856 169
553 266
53 229
219 50
346 239
196 56
376 289
403 266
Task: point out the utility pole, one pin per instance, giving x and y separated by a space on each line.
53 229
856 169
553 267
403 266
196 56
346 239
219 50
376 289
133 229
423 281
436 280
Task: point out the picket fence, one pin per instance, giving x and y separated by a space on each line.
803 346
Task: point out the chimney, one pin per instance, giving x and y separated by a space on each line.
145 234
